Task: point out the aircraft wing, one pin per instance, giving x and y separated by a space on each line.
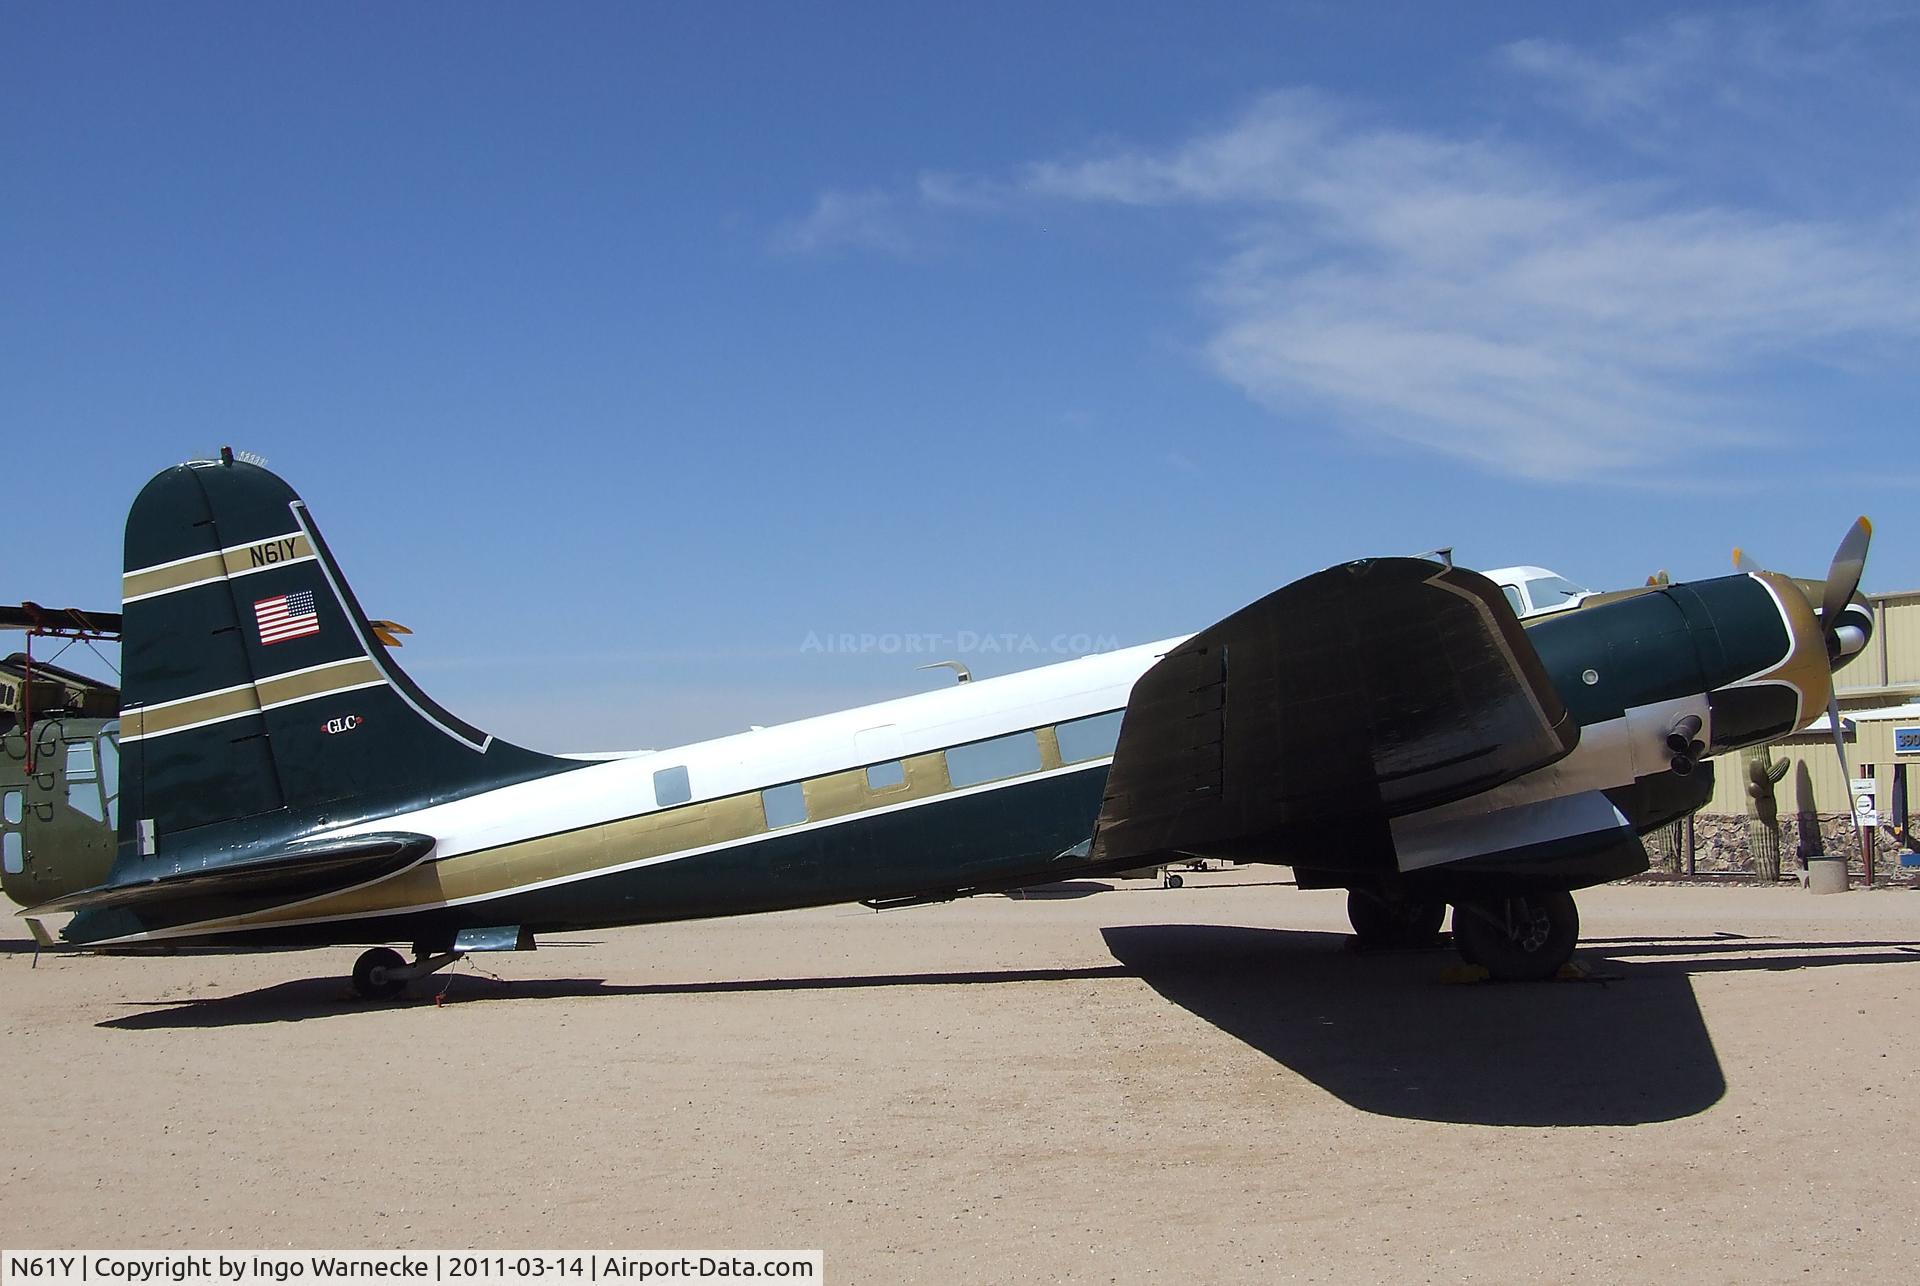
1309 719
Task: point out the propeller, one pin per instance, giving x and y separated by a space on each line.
1843 580
388 632
1837 591
1836 596
1661 579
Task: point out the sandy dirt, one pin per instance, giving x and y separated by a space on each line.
1199 1084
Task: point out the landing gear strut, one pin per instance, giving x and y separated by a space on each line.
1382 921
1524 938
383 973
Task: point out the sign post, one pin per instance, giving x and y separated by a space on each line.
1866 817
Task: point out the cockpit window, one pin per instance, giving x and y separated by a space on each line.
1552 591
1518 604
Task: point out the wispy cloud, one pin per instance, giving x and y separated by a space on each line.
867 220
1470 295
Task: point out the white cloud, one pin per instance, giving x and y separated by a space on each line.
1468 296
868 220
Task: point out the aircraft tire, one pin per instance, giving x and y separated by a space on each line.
1525 938
1381 921
374 974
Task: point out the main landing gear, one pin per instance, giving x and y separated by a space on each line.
383 973
1380 920
1523 938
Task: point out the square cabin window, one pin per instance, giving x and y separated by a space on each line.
1094 737
886 776
991 760
784 805
670 786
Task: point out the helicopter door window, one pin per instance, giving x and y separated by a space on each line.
110 772
10 812
83 780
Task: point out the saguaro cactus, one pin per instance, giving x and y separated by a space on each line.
1664 846
1764 772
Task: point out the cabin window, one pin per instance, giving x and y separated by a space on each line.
886 776
784 805
11 807
670 786
1094 737
979 761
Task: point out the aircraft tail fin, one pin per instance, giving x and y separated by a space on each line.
252 682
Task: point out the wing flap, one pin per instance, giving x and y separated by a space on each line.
1584 838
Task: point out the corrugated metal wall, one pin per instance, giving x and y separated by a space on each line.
1892 659
1872 743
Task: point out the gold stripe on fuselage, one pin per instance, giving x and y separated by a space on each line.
570 854
515 867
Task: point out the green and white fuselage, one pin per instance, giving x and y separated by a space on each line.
285 783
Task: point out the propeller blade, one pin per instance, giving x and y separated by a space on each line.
1843 576
1846 773
1660 578
1742 563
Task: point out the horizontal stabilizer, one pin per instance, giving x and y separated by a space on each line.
298 871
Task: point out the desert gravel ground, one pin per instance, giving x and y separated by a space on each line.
1139 1084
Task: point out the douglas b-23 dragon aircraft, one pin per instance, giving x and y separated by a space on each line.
1386 726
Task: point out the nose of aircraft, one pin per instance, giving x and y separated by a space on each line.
1841 614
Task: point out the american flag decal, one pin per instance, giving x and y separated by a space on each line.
286 616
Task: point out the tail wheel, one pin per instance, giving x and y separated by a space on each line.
1524 938
1382 921
377 976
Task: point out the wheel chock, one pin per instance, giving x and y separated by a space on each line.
1464 974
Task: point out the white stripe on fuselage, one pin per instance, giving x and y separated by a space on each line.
926 722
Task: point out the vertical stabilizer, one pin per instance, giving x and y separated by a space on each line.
252 682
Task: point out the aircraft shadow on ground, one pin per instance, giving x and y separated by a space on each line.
306 998
1379 1032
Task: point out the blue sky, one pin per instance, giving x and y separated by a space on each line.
633 354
